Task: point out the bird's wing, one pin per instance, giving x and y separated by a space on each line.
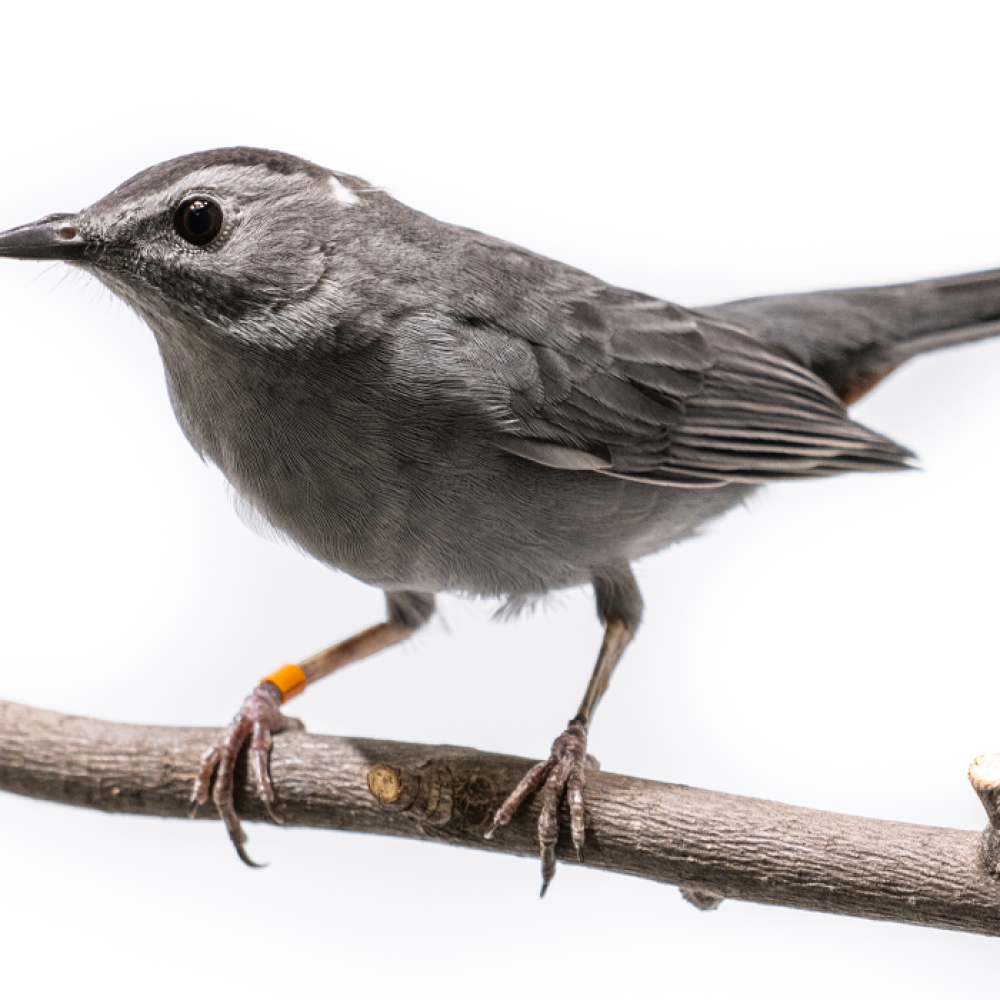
622 384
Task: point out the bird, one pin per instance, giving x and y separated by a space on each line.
431 409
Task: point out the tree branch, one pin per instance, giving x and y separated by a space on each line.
709 843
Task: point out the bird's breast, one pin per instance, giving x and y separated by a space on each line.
405 499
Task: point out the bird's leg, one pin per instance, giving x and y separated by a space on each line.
260 715
619 605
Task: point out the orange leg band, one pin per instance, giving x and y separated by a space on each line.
290 680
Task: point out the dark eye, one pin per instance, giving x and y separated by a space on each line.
198 220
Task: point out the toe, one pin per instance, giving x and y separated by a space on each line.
260 754
203 783
548 818
575 785
531 782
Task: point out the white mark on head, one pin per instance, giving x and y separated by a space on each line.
342 193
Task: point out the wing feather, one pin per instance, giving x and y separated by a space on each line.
624 385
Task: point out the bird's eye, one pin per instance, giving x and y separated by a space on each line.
198 220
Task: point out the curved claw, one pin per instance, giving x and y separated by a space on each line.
237 834
258 718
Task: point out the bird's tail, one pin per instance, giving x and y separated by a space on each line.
853 338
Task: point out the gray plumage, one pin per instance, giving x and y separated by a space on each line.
429 408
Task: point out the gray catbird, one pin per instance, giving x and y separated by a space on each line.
432 409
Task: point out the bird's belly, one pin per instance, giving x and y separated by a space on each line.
485 523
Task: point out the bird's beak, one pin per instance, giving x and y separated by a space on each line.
56 237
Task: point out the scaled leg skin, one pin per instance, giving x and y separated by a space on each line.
619 605
260 716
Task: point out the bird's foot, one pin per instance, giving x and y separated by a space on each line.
256 721
563 774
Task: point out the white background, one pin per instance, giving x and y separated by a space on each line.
833 646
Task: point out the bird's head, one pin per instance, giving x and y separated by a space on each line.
212 240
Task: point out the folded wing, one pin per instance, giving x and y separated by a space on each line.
621 384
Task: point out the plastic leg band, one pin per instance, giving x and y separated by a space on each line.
289 680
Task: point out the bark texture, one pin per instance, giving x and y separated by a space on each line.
710 844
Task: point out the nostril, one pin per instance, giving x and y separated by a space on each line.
66 232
